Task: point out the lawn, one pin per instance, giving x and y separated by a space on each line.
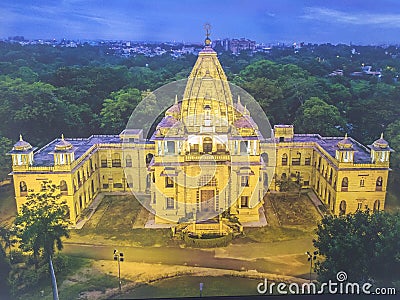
294 210
8 208
112 224
189 286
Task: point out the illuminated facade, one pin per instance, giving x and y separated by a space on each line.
205 156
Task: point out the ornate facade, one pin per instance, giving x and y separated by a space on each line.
205 156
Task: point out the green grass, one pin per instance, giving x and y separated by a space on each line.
113 221
295 210
101 283
189 286
8 208
277 234
73 265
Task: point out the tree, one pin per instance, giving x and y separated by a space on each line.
317 115
5 161
41 224
365 245
117 109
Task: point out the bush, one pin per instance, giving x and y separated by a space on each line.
208 241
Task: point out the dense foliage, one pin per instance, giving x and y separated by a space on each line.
365 245
46 91
41 224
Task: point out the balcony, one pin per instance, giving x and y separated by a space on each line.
207 157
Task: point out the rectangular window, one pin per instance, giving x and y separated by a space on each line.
170 149
244 180
244 201
194 148
117 185
296 161
307 161
284 161
116 163
104 163
169 183
105 186
306 183
359 206
170 203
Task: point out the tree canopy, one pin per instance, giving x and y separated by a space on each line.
42 222
365 245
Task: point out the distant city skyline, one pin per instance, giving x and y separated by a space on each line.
309 21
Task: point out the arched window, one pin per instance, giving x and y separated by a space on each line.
284 159
149 157
116 160
377 205
345 184
243 147
330 176
79 178
207 145
128 161
129 181
342 208
265 158
63 187
23 189
379 183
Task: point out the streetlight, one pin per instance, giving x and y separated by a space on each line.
311 258
119 256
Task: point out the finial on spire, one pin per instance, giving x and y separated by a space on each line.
176 99
62 136
239 99
20 137
207 28
382 135
345 136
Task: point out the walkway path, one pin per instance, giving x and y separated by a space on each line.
315 200
285 258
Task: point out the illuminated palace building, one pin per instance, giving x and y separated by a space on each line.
205 156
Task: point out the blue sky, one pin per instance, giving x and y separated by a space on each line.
320 21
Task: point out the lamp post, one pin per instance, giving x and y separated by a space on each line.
119 256
311 258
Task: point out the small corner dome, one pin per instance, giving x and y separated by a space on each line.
63 145
345 143
22 145
381 143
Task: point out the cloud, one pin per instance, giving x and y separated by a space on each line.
354 18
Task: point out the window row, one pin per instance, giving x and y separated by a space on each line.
23 188
343 207
296 161
378 184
